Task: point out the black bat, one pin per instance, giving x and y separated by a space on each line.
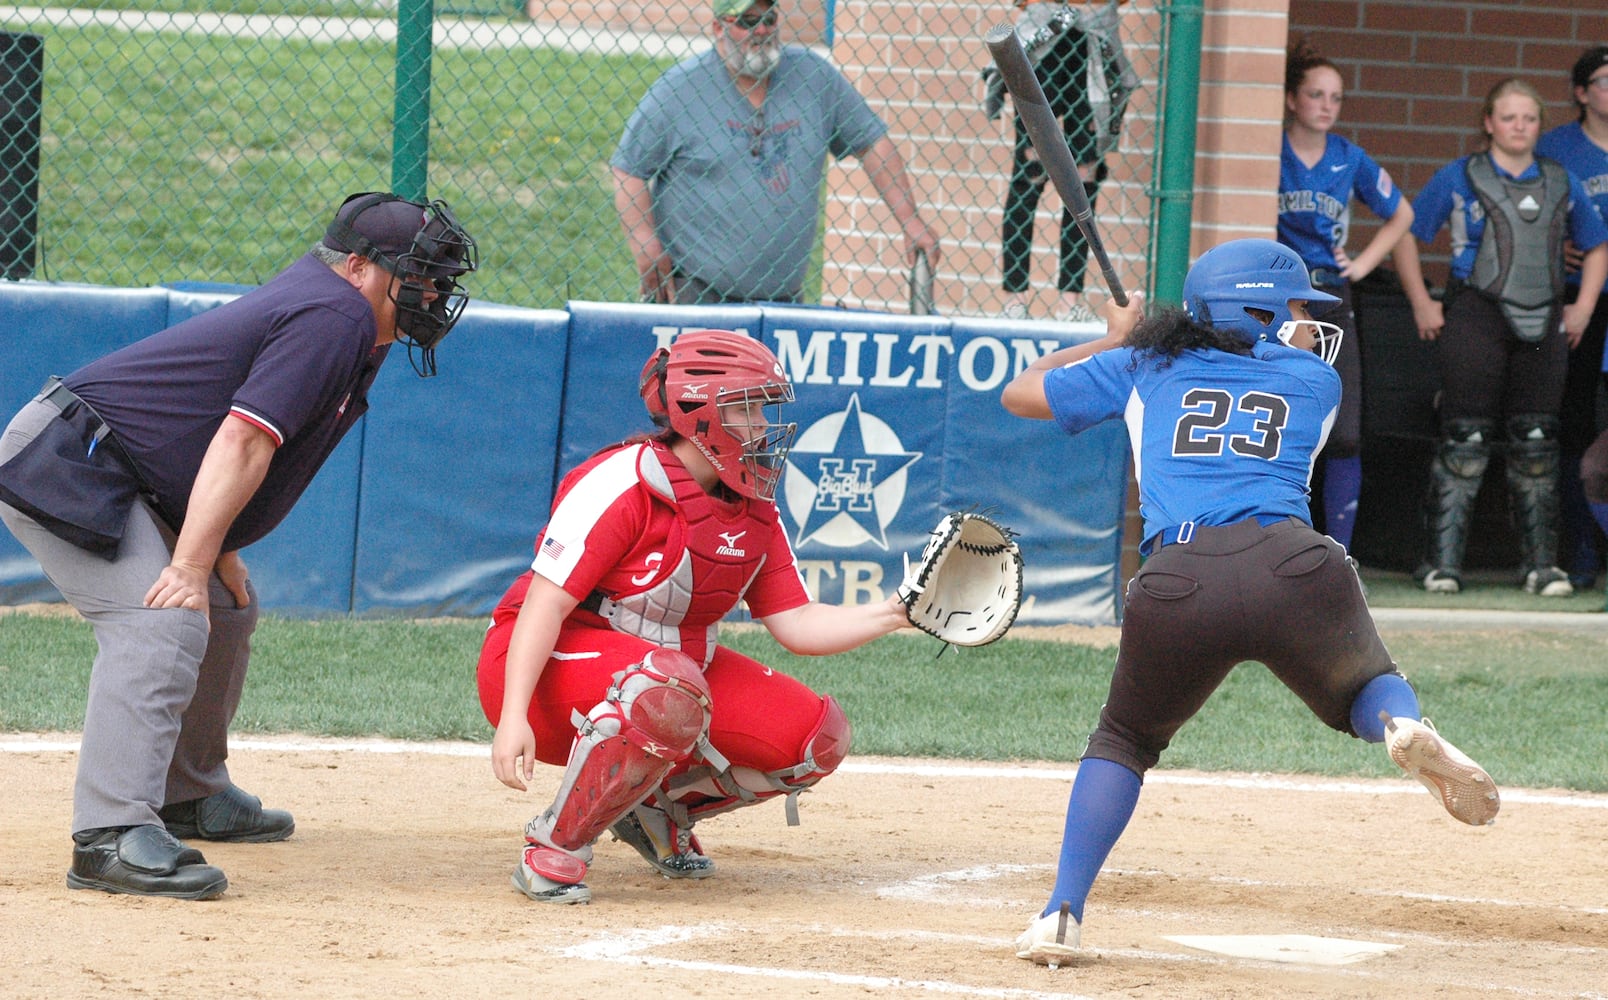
1034 110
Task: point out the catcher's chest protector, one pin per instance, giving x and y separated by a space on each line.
1520 259
712 553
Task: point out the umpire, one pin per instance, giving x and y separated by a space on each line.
136 480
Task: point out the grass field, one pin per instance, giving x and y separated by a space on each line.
1488 591
1527 704
168 156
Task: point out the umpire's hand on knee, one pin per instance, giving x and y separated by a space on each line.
180 585
231 569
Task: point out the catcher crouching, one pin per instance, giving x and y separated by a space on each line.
603 659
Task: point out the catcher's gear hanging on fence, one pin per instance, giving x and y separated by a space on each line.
967 586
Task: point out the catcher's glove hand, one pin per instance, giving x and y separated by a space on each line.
967 586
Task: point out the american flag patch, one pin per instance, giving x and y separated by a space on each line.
552 548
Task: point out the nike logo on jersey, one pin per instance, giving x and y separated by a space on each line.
1337 168
731 538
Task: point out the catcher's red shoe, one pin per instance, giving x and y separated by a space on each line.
549 875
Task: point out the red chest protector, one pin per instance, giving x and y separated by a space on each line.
712 553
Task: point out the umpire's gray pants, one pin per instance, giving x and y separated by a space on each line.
163 690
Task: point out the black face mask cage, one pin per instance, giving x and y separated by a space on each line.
441 251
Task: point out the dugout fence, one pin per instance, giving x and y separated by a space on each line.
191 140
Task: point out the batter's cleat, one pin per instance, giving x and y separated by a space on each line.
1462 786
549 875
231 815
672 851
142 861
1051 940
1549 582
1442 581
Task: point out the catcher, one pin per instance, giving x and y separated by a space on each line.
1227 407
602 658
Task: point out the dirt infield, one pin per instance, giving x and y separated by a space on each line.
906 878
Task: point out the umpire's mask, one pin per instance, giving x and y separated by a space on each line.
422 244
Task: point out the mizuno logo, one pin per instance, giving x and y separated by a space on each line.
729 548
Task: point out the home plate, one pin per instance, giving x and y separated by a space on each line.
1303 949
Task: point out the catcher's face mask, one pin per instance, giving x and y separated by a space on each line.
752 418
724 392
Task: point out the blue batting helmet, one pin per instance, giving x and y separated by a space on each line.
1233 278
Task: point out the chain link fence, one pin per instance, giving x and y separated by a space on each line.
211 141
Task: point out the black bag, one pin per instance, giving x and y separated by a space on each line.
73 480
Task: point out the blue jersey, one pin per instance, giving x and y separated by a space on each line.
1587 161
1217 437
1448 198
1315 202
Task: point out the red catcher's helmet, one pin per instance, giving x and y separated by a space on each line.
724 392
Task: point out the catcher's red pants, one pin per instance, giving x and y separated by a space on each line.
760 718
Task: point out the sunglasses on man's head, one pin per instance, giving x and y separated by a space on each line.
748 21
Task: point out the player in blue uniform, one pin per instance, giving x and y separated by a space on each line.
1227 408
1320 173
1582 147
1505 350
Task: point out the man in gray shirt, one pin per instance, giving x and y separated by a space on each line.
717 178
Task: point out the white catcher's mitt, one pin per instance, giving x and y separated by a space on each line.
967 586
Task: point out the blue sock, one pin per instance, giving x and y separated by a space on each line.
1600 512
1388 693
1103 798
1342 485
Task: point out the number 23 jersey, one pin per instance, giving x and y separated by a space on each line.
1216 437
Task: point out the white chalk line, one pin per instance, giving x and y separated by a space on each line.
36 743
629 947
939 887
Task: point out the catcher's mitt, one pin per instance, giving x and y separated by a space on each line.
967 586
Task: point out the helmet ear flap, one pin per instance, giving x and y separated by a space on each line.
651 387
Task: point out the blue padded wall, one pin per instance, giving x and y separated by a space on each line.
429 506
457 469
53 329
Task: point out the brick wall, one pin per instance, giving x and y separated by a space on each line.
1417 73
920 65
1240 122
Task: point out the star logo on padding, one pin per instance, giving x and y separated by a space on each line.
847 479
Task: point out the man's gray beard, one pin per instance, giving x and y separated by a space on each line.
755 62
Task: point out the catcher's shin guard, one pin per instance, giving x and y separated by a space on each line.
1454 481
709 790
653 715
1532 476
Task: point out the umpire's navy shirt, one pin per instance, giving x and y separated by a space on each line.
294 357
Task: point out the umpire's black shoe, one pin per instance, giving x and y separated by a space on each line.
142 861
231 815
